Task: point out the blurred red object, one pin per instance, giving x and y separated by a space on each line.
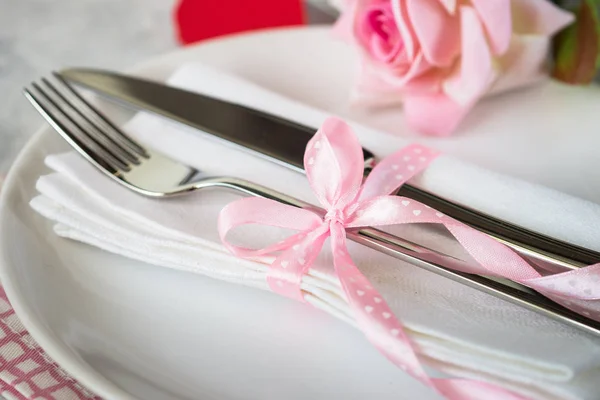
202 19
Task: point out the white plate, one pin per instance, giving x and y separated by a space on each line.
130 330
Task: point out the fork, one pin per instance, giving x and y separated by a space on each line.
150 173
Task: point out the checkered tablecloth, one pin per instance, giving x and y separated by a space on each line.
26 372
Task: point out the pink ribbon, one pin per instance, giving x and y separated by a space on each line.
334 166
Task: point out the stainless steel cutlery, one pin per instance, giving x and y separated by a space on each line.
149 173
284 142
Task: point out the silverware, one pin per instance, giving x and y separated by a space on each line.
284 142
149 173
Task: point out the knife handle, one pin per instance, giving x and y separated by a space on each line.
274 138
265 135
525 242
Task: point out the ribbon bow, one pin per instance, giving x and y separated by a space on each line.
334 166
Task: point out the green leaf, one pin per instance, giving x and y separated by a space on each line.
577 48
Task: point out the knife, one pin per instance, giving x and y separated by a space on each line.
284 142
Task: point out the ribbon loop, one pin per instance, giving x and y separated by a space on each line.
393 171
334 164
256 210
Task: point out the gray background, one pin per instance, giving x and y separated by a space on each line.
38 36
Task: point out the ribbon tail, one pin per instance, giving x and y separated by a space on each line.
577 290
371 312
387 334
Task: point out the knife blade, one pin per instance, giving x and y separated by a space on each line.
284 142
267 136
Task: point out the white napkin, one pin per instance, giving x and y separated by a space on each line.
457 329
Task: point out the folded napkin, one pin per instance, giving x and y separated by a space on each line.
457 329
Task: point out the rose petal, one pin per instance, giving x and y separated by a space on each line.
417 68
438 32
372 79
524 63
539 17
377 79
497 19
450 5
434 114
474 73
427 83
371 90
377 30
379 87
405 27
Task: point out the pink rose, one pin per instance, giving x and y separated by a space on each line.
439 57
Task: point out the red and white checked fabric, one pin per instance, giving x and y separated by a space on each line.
26 372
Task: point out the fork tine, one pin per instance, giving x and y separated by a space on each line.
71 132
97 118
78 117
91 139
